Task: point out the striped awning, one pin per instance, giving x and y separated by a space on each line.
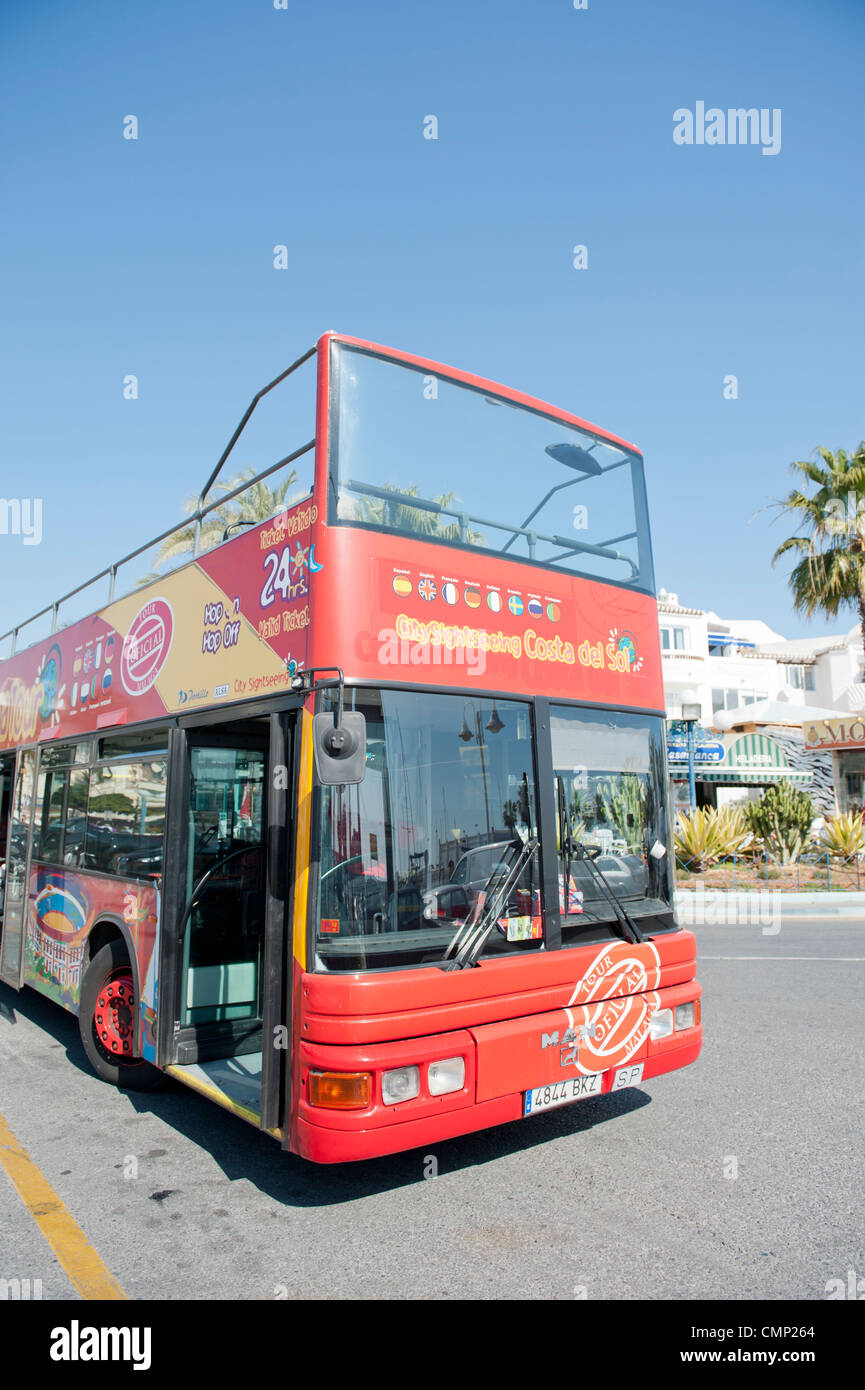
750 759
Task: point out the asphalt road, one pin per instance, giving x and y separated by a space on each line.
631 1196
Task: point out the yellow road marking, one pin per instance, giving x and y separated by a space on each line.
66 1238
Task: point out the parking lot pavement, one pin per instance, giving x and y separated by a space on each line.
740 1177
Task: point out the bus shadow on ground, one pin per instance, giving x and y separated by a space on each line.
242 1152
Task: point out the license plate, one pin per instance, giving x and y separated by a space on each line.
562 1092
627 1076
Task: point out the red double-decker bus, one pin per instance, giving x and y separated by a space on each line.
357 822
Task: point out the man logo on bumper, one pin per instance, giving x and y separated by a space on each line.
570 1042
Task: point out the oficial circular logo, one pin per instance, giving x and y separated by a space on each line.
618 993
146 645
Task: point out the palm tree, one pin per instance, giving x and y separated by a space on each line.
259 503
830 575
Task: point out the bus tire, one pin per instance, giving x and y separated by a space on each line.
106 1016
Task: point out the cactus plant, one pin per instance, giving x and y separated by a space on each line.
781 820
624 804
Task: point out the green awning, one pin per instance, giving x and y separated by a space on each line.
749 759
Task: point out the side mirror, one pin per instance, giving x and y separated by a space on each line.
339 748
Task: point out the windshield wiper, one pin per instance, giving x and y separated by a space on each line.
469 939
629 930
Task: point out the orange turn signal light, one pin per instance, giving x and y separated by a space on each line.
340 1090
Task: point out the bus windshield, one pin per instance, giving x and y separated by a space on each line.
449 795
435 458
449 791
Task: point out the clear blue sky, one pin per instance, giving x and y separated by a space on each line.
304 127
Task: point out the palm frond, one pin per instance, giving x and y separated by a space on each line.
830 575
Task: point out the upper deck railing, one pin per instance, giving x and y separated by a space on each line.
463 518
202 510
565 546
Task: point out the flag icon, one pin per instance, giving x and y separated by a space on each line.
536 608
449 593
473 598
515 604
553 612
427 589
401 585
494 601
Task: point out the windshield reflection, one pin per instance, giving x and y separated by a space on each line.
405 855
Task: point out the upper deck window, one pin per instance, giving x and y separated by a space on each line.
431 457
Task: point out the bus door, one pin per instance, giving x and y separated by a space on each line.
229 960
7 781
18 833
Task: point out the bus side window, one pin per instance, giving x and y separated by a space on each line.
76 817
125 819
52 803
50 815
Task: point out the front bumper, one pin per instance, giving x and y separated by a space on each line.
502 1060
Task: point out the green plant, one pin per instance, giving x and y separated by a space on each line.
696 839
733 830
400 515
781 820
830 575
259 503
843 836
704 836
624 803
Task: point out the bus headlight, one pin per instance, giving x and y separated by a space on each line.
686 1015
403 1083
661 1025
447 1076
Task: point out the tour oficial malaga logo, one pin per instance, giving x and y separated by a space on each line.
146 645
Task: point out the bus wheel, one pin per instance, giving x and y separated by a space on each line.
106 1018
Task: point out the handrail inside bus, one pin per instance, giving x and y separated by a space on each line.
195 894
571 546
569 482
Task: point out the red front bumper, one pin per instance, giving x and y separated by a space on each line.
502 1061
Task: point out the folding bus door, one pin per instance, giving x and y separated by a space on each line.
17 890
229 959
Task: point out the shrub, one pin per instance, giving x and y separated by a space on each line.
781 820
704 836
843 836
733 830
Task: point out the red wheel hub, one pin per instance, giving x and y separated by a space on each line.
113 1016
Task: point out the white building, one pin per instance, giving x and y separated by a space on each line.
744 677
727 664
